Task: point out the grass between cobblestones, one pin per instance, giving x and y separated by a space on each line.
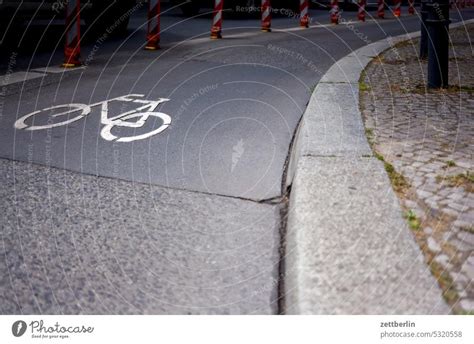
399 182
413 220
465 180
422 89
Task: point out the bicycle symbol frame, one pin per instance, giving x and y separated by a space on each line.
142 113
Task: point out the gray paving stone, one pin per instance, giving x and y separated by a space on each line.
420 213
457 194
450 212
444 261
459 279
467 304
433 205
457 206
423 194
467 218
466 237
461 245
465 164
433 245
447 236
462 224
410 204
444 192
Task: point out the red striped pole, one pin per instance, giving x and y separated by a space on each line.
411 6
216 30
381 9
361 12
153 30
304 13
334 11
397 12
72 48
266 16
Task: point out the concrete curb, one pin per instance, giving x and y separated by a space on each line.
348 248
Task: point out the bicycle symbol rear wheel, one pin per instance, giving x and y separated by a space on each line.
82 110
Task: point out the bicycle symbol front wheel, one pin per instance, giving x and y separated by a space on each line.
106 132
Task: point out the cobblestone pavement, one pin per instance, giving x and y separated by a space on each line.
426 139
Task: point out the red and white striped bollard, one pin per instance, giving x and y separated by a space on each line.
153 28
216 30
397 11
266 16
381 9
334 12
411 6
72 47
304 13
361 11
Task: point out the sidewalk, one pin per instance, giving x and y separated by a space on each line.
348 249
426 140
352 245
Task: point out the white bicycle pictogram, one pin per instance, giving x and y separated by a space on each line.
142 113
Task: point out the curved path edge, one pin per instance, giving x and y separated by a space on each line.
348 249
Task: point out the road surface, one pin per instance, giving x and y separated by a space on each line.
189 220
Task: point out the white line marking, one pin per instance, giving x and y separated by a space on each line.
13 78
